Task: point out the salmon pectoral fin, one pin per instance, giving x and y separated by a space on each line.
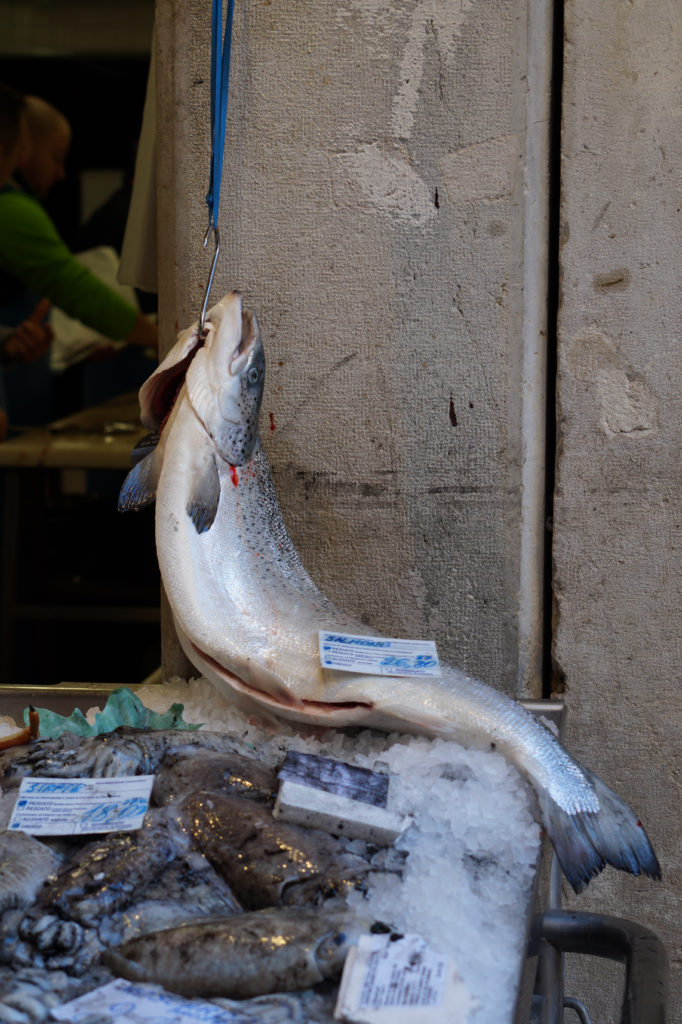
203 502
139 487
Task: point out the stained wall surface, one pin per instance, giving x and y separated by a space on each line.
617 514
372 214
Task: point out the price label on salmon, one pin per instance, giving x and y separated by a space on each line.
73 807
378 655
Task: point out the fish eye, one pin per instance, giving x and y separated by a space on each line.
253 375
339 938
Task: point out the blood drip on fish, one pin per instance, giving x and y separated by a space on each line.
247 613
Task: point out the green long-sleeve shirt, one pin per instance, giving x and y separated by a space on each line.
32 251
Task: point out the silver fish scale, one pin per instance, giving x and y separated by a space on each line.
264 536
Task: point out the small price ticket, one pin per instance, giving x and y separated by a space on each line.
125 1002
399 979
71 807
377 655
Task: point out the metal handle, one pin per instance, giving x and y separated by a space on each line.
646 962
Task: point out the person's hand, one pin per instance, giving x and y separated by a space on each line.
31 339
144 334
4 424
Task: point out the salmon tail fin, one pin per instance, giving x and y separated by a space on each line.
587 841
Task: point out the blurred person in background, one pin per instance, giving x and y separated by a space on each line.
35 263
43 162
28 341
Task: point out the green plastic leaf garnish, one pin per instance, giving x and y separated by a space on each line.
122 708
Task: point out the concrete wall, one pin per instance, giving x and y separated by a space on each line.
617 515
373 214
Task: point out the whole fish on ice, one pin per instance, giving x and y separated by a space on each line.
272 950
267 861
247 613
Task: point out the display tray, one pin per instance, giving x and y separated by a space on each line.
475 873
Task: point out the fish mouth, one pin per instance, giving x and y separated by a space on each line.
284 700
160 391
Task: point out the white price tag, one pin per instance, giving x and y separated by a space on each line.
389 979
64 807
126 1002
377 655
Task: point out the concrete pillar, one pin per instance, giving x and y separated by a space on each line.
617 514
376 214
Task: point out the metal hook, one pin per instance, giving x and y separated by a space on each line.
216 238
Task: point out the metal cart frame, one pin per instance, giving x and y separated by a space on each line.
556 932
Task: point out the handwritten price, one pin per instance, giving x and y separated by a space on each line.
421 661
114 813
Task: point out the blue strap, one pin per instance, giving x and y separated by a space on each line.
220 75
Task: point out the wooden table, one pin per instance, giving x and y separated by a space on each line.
99 438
